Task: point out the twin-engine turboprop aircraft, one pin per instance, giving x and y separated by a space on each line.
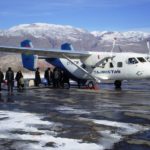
86 66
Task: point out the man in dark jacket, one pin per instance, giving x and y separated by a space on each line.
48 76
56 76
37 77
1 78
65 79
10 80
18 77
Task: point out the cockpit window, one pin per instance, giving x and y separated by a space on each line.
132 60
141 59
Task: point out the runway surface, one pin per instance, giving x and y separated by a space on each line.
77 119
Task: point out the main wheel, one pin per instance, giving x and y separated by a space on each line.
117 84
91 85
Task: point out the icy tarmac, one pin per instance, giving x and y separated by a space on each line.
77 119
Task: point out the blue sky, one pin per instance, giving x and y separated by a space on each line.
112 15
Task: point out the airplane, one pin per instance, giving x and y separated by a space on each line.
87 67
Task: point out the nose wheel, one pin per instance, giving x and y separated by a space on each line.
118 84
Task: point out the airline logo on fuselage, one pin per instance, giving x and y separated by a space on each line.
107 72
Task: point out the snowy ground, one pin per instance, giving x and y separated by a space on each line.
45 119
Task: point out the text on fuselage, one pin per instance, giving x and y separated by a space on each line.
107 72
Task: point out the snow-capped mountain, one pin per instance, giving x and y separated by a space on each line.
52 36
41 30
134 41
133 36
49 36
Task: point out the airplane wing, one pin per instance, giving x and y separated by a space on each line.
48 53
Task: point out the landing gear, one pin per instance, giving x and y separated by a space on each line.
117 84
91 85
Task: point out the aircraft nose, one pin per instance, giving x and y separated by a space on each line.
146 70
139 73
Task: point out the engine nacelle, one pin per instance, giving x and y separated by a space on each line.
29 61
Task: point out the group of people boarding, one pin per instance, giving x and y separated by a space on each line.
56 78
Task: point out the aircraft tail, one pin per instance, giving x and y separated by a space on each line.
29 61
67 46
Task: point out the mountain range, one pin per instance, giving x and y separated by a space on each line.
49 36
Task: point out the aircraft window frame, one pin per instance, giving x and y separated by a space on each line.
119 64
141 59
102 65
132 60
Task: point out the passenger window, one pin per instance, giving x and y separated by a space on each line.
83 66
111 65
102 65
119 64
132 61
141 59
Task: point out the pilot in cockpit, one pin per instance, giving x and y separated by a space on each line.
132 61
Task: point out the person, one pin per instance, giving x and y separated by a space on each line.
48 76
56 76
65 79
37 77
21 82
19 78
1 78
10 80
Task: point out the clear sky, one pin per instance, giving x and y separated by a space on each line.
112 15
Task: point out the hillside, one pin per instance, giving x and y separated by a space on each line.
52 36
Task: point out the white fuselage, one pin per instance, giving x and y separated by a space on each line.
120 67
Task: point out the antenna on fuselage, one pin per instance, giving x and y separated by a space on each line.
114 43
120 49
148 46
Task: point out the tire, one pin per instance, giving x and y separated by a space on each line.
91 85
117 84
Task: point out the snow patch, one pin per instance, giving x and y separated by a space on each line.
28 122
69 110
